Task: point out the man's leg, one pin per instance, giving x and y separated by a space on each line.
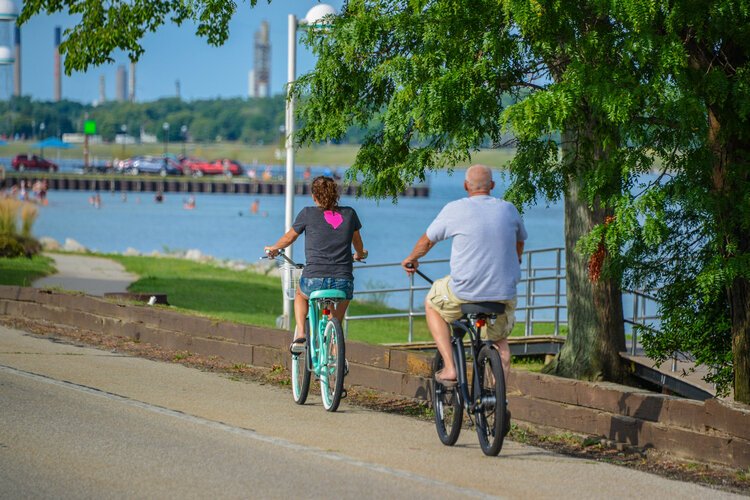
504 349
441 334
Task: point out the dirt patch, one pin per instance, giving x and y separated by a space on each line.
581 446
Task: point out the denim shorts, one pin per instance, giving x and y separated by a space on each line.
309 285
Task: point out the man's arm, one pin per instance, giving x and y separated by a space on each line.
421 248
519 249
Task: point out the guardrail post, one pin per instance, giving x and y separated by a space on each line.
411 307
528 328
633 328
558 263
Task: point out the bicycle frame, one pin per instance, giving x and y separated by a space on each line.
459 329
317 349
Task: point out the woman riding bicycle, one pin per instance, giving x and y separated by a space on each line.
330 231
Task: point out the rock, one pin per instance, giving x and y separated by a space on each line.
194 254
49 244
72 245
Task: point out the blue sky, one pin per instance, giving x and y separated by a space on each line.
172 53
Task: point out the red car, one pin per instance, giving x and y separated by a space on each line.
24 162
199 168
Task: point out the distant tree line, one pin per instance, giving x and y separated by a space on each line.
252 121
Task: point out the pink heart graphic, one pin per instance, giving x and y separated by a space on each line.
333 218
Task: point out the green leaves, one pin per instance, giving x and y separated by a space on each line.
428 72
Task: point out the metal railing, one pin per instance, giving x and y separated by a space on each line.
541 296
532 298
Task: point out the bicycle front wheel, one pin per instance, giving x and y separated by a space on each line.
489 396
449 412
332 365
301 371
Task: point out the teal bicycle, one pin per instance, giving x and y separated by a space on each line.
324 354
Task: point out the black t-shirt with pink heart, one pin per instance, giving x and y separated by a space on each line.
328 241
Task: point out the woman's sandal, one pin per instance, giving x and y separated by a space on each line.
298 346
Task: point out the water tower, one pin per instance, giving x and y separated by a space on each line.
8 17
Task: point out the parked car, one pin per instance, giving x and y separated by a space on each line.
24 162
199 168
123 166
152 165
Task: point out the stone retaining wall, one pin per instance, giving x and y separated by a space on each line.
711 431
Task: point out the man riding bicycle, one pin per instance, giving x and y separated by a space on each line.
488 239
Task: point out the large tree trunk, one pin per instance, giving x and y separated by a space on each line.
596 334
732 161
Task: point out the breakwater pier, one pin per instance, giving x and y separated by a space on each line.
175 184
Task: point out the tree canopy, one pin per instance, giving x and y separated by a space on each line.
636 112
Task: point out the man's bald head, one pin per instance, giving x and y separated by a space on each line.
478 180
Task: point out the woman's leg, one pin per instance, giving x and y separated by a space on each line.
340 310
300 314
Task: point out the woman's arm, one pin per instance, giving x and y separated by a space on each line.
286 240
359 248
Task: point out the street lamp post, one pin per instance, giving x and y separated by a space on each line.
165 126
124 130
42 126
183 131
312 19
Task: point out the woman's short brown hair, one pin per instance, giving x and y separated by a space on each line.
326 192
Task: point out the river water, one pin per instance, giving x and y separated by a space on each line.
222 225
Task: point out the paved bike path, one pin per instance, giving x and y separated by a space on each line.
362 443
87 274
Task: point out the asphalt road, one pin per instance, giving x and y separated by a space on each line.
77 422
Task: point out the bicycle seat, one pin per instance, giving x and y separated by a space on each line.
328 294
486 308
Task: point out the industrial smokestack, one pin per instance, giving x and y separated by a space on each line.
177 88
102 95
58 78
131 97
17 64
262 62
121 84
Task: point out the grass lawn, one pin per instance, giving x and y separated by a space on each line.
242 296
252 298
23 271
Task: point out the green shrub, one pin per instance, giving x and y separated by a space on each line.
11 247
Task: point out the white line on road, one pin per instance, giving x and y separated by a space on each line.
249 433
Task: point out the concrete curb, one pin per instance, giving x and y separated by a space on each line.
712 431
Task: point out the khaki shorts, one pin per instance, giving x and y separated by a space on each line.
441 298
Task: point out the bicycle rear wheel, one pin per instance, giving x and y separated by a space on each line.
489 391
332 365
301 371
449 413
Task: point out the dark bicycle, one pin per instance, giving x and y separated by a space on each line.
483 398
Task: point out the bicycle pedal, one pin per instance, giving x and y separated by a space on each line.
343 393
346 367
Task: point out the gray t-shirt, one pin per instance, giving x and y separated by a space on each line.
484 262
328 241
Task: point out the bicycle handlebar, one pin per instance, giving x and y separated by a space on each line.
427 279
300 266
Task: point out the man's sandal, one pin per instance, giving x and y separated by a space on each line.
443 381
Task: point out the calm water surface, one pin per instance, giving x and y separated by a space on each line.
222 225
